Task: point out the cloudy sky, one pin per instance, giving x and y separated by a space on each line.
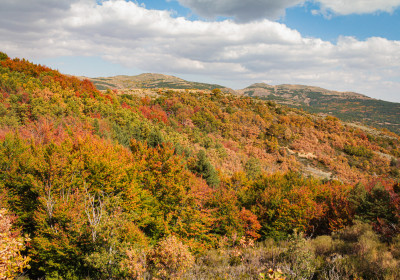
336 44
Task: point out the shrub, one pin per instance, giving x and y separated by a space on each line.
358 151
365 255
273 274
323 245
376 207
299 261
170 259
135 263
395 247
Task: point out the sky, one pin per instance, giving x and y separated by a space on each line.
334 44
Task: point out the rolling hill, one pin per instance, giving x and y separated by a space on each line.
348 106
151 80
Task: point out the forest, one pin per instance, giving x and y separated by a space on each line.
192 184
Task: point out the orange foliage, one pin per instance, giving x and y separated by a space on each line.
154 112
251 224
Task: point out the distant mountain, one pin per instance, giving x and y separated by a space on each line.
347 106
151 80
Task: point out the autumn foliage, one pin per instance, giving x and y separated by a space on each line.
12 262
111 185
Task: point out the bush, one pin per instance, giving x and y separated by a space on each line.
395 247
299 261
135 263
358 151
365 256
323 245
170 259
376 207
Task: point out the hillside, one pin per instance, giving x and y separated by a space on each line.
151 80
182 184
347 106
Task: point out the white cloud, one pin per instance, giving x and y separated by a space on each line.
343 7
237 53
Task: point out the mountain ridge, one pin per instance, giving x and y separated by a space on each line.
306 87
346 105
151 80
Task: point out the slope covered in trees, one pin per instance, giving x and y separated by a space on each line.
348 106
109 185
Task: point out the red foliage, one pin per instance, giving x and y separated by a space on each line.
250 223
126 106
337 209
388 184
109 98
154 112
231 145
44 131
96 115
196 109
4 94
25 97
25 66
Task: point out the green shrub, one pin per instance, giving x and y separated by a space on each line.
299 260
253 168
395 247
365 256
323 245
358 151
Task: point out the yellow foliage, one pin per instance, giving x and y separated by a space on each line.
170 259
11 244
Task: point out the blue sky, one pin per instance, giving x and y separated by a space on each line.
300 17
378 24
352 46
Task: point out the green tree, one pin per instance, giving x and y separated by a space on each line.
3 56
375 206
155 138
253 168
205 169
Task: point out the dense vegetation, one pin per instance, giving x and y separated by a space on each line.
346 106
195 185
